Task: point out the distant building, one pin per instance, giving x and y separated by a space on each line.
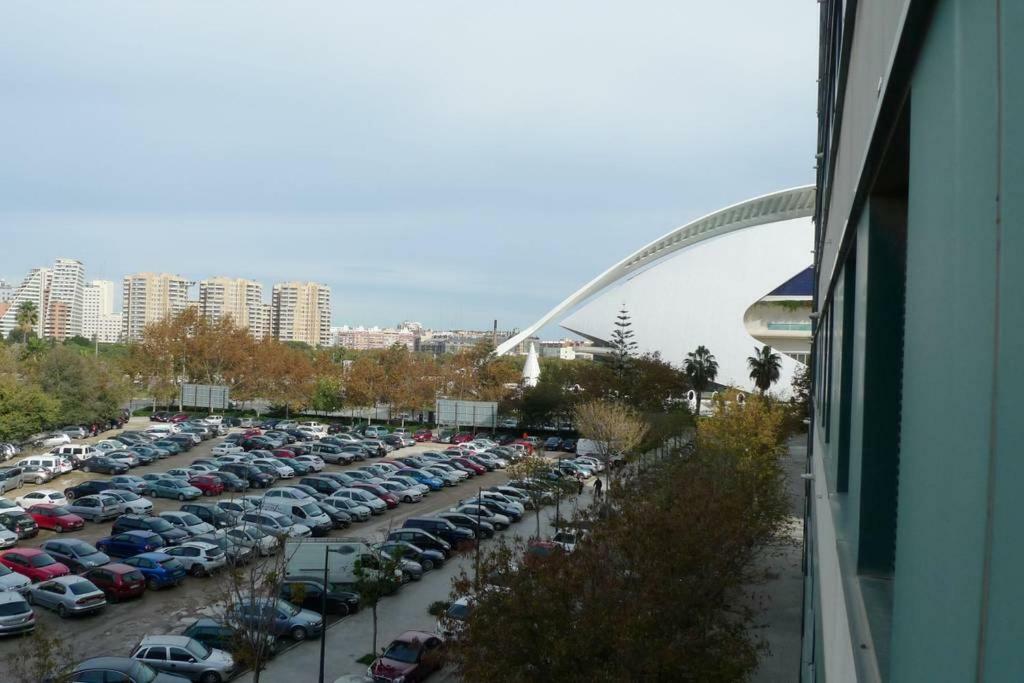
97 303
302 313
453 341
6 291
238 298
57 293
151 297
108 330
564 349
363 338
782 319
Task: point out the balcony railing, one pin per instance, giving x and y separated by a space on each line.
790 327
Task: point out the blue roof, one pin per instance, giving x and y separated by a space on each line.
801 284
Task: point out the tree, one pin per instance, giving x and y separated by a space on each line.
89 390
801 398
702 369
27 318
623 346
532 470
377 576
615 428
364 383
44 656
25 409
764 367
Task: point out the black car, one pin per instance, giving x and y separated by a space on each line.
256 442
183 440
393 440
88 488
269 423
232 482
308 593
481 529
158 525
339 518
210 514
309 490
421 539
268 470
104 465
20 523
497 507
299 436
250 473
218 636
441 528
321 484
426 558
144 454
297 466
569 445
77 555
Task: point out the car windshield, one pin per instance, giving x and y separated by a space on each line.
402 652
42 560
60 511
190 519
173 483
310 509
197 649
159 524
170 563
82 587
9 609
127 496
133 576
288 608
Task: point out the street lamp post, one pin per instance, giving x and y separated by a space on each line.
323 609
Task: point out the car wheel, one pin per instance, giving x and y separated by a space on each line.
152 584
58 528
181 496
210 677
62 611
428 564
197 570
86 469
207 492
299 633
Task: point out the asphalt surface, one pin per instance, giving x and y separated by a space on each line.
118 627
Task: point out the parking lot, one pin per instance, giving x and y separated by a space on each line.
118 627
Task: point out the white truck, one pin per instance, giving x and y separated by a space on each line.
306 558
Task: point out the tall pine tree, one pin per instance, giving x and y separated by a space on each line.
623 346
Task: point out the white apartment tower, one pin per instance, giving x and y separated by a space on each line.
97 304
302 312
33 289
239 298
151 297
57 294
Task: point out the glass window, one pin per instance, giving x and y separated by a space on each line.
157 653
179 655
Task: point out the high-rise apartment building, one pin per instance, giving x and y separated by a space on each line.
97 303
302 312
150 297
33 289
238 298
57 294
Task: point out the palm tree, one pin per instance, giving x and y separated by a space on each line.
27 318
702 368
764 367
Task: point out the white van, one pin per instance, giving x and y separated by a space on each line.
304 512
52 463
315 427
75 453
306 558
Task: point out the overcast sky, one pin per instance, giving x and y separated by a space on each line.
448 162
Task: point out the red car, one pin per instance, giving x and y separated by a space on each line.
118 581
423 435
412 656
283 453
466 462
462 437
526 444
389 498
210 486
56 517
252 431
178 417
33 563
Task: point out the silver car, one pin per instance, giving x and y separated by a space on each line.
16 616
13 581
67 595
96 508
251 536
133 502
184 656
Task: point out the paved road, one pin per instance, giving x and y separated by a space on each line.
119 627
352 637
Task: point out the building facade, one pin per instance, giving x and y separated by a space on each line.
33 289
58 296
97 303
149 298
363 338
914 537
237 298
302 312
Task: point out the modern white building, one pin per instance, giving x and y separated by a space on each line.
694 285
33 289
57 293
97 303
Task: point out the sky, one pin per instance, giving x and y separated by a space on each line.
447 162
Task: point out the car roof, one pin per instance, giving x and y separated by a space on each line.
180 641
408 636
155 555
197 544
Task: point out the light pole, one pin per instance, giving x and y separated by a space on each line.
323 608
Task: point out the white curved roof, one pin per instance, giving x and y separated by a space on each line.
778 206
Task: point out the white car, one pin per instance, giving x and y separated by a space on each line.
357 510
108 445
55 439
187 522
402 492
590 462
8 506
35 498
448 477
133 502
315 463
279 467
567 540
376 505
226 448
251 536
198 558
214 420
235 458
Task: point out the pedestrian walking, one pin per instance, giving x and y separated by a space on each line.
597 488
579 480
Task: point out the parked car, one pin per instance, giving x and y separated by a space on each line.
20 523
210 514
174 488
159 569
423 435
412 656
129 482
198 558
131 502
75 553
91 487
55 517
157 525
420 539
104 464
68 595
187 522
425 557
185 657
354 508
96 507
31 498
53 439
282 617
250 473
251 536
401 491
36 564
10 478
480 528
117 580
230 482
235 553
210 486
16 616
276 523
308 593
129 543
13 582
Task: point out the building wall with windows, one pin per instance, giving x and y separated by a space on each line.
97 303
149 298
302 312
915 539
238 298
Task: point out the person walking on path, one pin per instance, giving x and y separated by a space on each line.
597 489
579 480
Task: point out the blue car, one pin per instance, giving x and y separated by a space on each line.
160 569
168 487
130 543
434 483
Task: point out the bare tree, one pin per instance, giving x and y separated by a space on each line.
615 429
43 656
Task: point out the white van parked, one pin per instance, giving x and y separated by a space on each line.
56 465
302 512
314 427
75 453
163 429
